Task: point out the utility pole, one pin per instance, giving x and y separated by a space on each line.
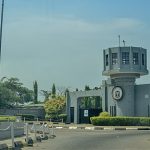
1 27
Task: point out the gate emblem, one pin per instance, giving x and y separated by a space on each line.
117 93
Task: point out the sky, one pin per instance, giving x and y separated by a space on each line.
62 41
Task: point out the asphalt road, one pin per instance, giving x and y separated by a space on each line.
95 140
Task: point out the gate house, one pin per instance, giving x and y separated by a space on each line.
120 95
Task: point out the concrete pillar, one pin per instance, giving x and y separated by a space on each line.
68 106
126 105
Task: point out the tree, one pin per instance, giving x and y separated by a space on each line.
11 83
7 97
12 91
53 91
35 87
46 94
87 88
87 100
61 90
55 106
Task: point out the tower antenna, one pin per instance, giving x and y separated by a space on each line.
1 27
119 39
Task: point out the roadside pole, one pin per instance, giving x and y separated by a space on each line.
27 134
34 130
12 134
43 128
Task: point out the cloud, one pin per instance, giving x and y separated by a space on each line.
61 49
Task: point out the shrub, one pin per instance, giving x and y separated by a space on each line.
104 114
7 118
120 121
63 116
27 117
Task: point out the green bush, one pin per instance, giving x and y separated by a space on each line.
51 116
7 118
27 117
104 114
120 121
63 116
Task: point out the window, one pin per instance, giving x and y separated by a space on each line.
135 59
114 58
107 60
125 57
143 59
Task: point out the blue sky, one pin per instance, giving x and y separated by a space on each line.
61 41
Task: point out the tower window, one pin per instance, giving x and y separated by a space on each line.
114 58
107 60
135 58
143 59
125 57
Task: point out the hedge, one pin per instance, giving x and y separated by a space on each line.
120 121
27 117
7 118
63 116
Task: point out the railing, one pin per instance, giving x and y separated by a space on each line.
44 129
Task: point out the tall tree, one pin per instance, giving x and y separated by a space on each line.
35 87
55 106
46 94
87 101
53 91
12 92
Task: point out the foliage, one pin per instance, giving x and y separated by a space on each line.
7 118
120 121
35 87
90 101
28 117
12 91
46 94
53 91
104 114
63 116
87 100
55 106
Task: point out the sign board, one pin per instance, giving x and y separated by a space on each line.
86 113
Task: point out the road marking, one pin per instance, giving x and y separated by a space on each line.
59 127
108 128
89 128
131 128
72 127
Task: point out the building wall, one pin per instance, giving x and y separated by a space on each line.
73 100
142 100
123 65
119 68
135 101
36 112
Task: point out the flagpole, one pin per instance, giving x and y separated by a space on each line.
1 27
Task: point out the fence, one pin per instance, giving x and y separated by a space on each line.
12 129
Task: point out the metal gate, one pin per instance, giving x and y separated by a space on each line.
72 114
85 114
